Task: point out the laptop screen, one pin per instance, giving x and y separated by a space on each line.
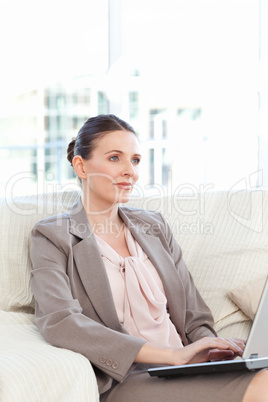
257 340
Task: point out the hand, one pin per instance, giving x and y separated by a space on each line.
217 355
209 349
200 351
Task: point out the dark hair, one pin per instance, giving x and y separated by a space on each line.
93 130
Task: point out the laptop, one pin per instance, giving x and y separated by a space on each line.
255 355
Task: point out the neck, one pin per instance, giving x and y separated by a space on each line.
104 219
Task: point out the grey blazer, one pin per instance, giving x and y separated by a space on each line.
74 303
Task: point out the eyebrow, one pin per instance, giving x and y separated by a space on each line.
119 152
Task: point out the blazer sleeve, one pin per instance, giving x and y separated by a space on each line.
198 319
59 317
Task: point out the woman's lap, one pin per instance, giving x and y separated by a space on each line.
140 387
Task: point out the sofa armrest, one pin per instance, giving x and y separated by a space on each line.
33 370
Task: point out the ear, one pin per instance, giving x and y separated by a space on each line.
79 167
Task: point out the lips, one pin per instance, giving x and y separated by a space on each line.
124 185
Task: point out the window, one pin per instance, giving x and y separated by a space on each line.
103 104
190 76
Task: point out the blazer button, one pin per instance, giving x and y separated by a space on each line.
115 365
102 359
109 362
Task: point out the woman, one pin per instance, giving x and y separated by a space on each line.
110 283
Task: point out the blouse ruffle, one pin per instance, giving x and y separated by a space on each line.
138 294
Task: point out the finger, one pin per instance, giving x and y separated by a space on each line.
235 346
240 339
207 344
216 355
204 345
240 342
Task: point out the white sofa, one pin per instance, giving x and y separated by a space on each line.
224 238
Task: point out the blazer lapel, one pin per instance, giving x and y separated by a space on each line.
91 268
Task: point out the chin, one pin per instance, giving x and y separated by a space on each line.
124 199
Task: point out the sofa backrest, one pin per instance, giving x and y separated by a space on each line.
18 216
223 235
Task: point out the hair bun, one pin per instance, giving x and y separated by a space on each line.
70 151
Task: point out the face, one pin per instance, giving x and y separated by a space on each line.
113 169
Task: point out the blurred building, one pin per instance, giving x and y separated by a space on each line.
48 118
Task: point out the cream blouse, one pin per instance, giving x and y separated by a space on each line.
138 294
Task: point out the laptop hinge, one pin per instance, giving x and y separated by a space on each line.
253 356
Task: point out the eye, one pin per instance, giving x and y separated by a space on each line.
136 161
114 158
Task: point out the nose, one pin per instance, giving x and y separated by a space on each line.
129 169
